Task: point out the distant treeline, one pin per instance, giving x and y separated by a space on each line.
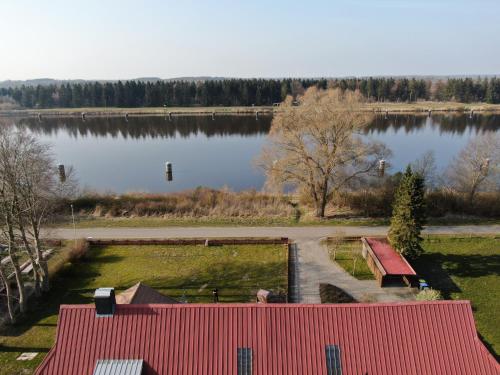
245 92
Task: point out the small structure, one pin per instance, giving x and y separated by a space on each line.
387 264
267 296
141 294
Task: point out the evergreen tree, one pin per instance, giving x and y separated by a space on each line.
408 216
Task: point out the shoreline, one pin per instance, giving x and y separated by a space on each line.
389 108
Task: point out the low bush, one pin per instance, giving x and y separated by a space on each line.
331 294
71 252
429 295
78 250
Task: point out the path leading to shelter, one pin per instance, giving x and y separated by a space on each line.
315 267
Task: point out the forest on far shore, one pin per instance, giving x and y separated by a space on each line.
244 92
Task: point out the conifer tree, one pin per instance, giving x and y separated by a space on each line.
408 216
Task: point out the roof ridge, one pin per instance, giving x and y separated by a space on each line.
277 305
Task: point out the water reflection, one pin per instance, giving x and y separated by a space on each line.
146 127
443 123
119 155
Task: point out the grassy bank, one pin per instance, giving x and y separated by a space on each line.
467 268
209 207
145 111
189 272
141 111
155 222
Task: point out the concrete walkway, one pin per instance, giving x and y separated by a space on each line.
315 267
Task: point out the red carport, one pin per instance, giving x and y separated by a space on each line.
388 266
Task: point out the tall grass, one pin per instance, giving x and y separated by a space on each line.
197 203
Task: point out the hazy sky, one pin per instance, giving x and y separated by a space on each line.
109 39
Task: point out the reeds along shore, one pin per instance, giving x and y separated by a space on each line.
210 203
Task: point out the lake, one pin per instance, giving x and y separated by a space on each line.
115 155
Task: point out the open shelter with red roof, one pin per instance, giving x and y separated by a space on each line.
387 264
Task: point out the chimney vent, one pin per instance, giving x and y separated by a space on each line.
105 302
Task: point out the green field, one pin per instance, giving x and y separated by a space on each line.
348 255
184 272
467 268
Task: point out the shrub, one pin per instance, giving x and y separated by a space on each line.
331 294
429 295
67 254
78 250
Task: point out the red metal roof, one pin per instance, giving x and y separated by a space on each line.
391 260
392 338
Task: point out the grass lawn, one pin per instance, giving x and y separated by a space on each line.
467 268
178 271
156 222
344 253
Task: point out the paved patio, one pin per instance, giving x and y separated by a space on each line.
315 267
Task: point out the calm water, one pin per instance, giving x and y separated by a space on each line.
115 155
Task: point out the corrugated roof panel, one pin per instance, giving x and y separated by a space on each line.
393 263
393 338
118 367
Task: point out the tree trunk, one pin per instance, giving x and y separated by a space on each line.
8 294
36 269
322 201
42 263
19 281
15 264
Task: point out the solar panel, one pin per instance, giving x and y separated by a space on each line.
333 362
244 361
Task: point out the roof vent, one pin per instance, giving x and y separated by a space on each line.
105 302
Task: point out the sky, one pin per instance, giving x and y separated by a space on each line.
121 39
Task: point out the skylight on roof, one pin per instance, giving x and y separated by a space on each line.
244 361
118 367
333 362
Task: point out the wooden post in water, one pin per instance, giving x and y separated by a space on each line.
168 171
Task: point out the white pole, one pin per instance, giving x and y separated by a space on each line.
74 225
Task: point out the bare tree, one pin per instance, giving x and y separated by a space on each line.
317 147
425 166
477 166
28 189
5 285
